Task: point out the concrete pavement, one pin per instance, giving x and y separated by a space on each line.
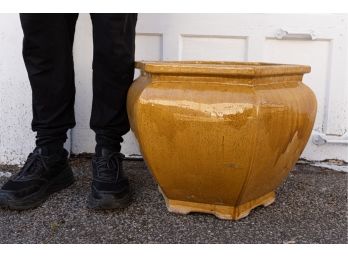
311 207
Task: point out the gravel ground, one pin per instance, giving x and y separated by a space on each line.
311 207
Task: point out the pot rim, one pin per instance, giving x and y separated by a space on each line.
221 68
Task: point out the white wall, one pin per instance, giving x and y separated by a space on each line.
241 37
16 138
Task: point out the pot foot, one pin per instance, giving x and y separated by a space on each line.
220 211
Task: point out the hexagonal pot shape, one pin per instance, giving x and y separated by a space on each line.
219 137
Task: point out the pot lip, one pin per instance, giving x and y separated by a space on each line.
222 68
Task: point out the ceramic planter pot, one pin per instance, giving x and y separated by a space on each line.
219 137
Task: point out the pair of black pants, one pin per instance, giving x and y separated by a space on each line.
47 52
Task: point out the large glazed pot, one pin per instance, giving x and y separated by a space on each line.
219 137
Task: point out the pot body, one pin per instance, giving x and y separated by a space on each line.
220 144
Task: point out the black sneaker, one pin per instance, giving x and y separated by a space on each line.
40 177
110 187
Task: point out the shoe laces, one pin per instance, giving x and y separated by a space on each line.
108 164
34 162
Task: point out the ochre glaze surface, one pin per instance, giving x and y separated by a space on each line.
220 134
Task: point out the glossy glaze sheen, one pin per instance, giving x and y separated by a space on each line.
219 137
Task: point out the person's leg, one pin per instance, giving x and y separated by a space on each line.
47 52
113 72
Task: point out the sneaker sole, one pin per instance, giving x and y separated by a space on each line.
108 202
62 181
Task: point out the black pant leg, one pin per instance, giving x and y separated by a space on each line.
47 52
113 72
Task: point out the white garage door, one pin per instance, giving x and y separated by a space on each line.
320 41
317 40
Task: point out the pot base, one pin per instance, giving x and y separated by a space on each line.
220 211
